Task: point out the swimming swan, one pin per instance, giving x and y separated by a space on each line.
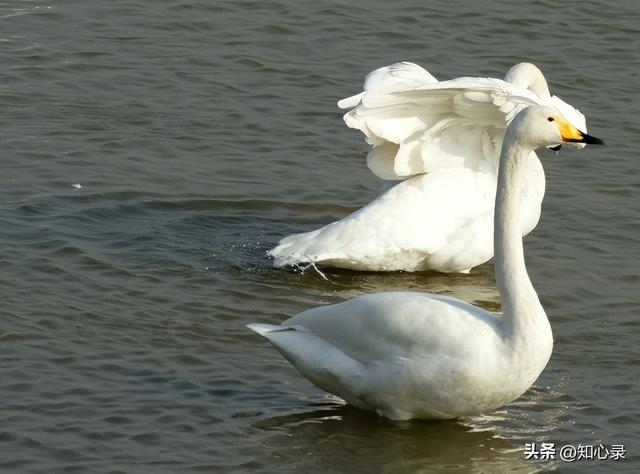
417 355
442 139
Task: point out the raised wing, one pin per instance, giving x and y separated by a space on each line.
417 124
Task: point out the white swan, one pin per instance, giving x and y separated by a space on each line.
449 134
416 355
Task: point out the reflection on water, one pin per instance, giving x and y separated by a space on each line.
478 287
340 437
538 415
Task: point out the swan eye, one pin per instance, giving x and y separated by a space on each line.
550 119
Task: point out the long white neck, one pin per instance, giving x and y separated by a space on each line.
523 314
528 76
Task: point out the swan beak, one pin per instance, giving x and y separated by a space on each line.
590 139
571 134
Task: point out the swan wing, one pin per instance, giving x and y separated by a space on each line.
386 80
400 324
416 123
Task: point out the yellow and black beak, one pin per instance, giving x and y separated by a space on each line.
571 134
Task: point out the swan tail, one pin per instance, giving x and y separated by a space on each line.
265 329
299 250
325 365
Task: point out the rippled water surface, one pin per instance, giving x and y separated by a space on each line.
152 152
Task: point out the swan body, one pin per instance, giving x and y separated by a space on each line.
396 230
437 145
418 355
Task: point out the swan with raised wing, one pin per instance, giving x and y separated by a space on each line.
418 355
440 142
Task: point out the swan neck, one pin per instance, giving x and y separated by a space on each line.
540 87
528 76
520 304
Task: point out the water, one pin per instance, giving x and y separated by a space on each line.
152 151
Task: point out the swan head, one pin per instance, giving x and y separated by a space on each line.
528 76
539 126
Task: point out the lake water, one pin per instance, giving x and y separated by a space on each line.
153 151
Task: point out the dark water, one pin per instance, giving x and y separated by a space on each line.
151 153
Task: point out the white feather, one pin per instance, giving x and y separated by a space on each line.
442 141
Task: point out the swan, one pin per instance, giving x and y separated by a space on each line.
417 355
437 145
